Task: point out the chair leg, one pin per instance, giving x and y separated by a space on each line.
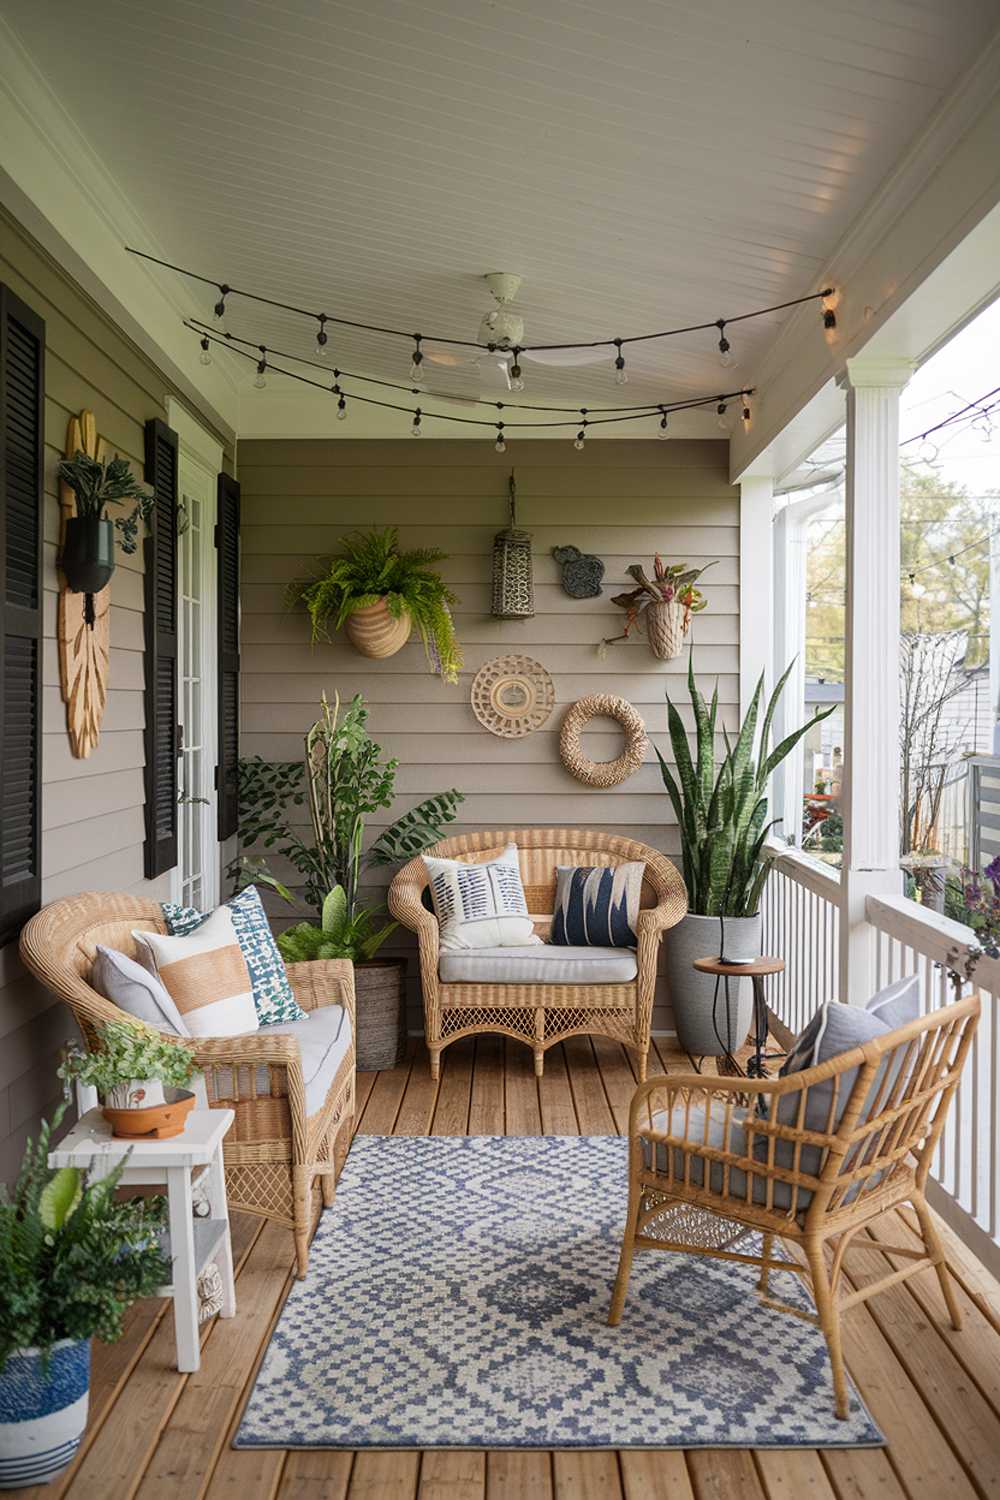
328 1187
829 1322
301 1201
938 1259
628 1250
435 1061
765 1269
642 1054
539 1062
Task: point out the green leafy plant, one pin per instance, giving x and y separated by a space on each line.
722 811
96 486
73 1258
672 583
127 1055
370 567
342 779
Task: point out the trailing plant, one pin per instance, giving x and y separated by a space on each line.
671 583
72 1258
343 778
722 810
979 904
370 567
96 486
127 1055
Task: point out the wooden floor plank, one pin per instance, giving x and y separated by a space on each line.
589 1098
416 1110
486 1104
316 1474
385 1476
724 1474
385 1098
521 1090
518 1475
614 1063
586 1476
555 1096
453 1476
649 1475
862 1474
451 1113
793 1474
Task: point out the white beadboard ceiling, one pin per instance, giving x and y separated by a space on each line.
641 164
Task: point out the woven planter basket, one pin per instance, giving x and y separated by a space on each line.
380 987
665 630
374 632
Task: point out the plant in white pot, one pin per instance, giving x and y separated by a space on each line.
141 1079
721 811
73 1259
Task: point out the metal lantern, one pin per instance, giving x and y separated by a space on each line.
513 592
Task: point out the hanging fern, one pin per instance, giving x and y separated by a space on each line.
370 567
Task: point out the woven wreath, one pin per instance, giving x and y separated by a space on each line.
594 772
512 695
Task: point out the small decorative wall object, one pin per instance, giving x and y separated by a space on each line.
513 592
581 572
83 622
663 603
512 695
602 773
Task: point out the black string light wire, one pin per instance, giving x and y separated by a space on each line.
581 420
647 408
977 406
939 562
826 297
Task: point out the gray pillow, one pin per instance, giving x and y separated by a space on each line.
136 991
898 1004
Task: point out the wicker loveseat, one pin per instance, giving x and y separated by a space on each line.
541 1013
275 1148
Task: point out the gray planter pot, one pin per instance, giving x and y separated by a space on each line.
380 988
692 994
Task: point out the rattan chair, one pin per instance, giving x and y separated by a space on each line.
274 1151
876 1158
541 1014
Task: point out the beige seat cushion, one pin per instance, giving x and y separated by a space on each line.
544 964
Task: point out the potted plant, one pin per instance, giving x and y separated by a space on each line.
378 593
664 604
73 1259
721 811
129 1069
88 551
344 779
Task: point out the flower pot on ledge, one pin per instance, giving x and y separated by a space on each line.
88 554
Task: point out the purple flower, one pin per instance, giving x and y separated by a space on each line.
992 871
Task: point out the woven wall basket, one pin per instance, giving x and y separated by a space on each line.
374 632
594 772
512 695
665 630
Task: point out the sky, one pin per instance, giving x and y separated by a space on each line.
964 369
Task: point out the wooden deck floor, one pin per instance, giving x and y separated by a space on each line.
155 1433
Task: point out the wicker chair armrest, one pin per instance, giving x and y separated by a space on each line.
406 905
323 981
665 914
673 1086
249 1050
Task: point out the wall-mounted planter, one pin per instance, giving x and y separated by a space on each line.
88 554
83 620
375 632
665 629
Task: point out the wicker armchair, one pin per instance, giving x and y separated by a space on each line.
690 1144
541 1014
274 1151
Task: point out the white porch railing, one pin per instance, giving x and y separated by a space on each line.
801 923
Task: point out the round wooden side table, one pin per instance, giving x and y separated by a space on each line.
755 971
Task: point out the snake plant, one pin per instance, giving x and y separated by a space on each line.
722 810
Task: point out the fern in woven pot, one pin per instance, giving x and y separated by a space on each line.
343 779
378 594
721 810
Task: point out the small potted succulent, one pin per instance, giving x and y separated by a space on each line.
663 604
378 594
88 551
73 1259
140 1079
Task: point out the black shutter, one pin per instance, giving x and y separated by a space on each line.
227 540
162 731
22 409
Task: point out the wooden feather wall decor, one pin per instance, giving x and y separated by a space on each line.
83 623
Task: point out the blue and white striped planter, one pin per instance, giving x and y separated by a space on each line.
42 1415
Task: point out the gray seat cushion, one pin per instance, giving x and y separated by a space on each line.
694 1130
324 1038
542 964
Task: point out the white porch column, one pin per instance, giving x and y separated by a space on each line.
871 689
756 591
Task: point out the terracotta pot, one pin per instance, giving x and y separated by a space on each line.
161 1121
665 629
374 632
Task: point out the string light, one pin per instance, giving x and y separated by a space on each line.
219 310
745 415
721 410
578 440
500 445
341 404
516 377
321 337
417 360
725 348
205 356
664 425
259 380
415 429
828 301
621 378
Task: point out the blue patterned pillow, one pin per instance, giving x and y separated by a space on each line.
272 994
597 906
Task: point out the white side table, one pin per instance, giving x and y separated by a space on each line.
192 1242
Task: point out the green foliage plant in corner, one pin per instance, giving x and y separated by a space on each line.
370 568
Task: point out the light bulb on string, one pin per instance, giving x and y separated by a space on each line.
918 590
621 377
341 403
205 357
415 430
726 356
927 452
259 379
322 338
416 361
721 418
501 443
579 439
664 431
219 310
745 414
516 375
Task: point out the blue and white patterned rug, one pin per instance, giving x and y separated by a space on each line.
457 1297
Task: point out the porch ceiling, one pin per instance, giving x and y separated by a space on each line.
640 165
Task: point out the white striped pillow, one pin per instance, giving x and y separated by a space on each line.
205 975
